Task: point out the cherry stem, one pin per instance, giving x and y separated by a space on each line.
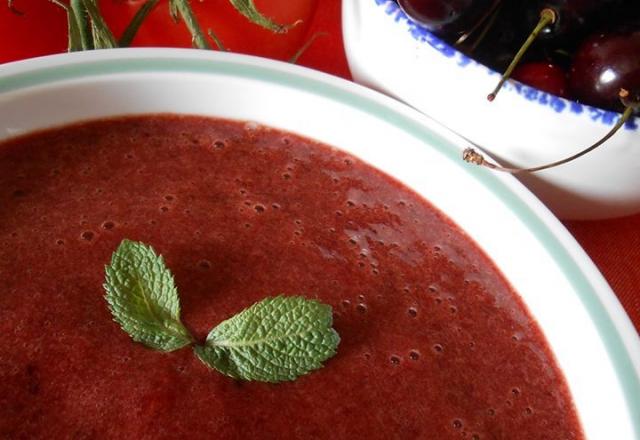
472 156
547 16
490 14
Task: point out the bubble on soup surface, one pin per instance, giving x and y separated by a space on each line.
395 360
164 208
169 198
457 424
204 264
87 235
438 348
108 225
412 312
362 308
414 355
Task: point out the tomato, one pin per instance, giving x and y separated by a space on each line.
42 28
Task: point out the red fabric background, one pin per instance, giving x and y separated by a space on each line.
614 245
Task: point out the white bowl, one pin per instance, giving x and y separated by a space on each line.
523 126
595 344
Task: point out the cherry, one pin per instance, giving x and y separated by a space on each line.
603 65
543 75
497 44
557 18
571 16
447 17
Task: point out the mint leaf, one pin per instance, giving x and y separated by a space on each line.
249 10
143 299
275 340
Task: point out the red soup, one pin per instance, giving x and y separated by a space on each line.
435 343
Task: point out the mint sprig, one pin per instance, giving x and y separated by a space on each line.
274 340
143 298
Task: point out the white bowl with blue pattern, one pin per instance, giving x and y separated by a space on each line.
523 127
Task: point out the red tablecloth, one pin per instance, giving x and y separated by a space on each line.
614 245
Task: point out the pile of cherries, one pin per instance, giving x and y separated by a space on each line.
584 50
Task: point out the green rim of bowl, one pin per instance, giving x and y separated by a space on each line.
375 105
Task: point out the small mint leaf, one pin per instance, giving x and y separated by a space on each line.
274 340
143 299
249 10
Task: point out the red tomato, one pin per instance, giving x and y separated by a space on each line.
41 29
236 32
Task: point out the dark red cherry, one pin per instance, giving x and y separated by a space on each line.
571 16
552 19
604 64
446 17
544 76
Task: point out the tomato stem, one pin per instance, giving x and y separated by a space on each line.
183 9
132 29
216 40
79 15
102 36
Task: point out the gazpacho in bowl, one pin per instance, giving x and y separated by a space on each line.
255 179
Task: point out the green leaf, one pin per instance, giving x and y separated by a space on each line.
275 340
249 10
143 299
